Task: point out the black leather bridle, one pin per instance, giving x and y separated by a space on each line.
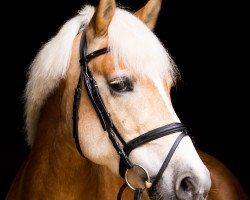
123 148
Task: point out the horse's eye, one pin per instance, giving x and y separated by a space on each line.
121 84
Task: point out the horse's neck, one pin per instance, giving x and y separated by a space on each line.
55 169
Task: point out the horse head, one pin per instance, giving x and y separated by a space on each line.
132 76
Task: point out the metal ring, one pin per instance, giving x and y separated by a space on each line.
146 172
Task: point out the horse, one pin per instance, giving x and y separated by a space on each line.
102 114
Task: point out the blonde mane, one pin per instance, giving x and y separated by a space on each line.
49 67
129 39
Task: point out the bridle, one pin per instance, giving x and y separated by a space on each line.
123 148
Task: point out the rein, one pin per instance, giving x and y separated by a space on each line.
123 148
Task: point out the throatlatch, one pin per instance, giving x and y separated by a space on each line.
123 149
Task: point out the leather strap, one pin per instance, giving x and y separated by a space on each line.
167 160
147 137
153 135
138 194
123 187
96 100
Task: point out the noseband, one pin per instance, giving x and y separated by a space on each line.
123 148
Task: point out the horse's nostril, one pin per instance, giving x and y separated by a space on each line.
187 185
186 188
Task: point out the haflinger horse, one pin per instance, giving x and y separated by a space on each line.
104 127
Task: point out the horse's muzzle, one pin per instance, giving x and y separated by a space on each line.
187 188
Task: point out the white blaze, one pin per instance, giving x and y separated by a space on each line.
159 84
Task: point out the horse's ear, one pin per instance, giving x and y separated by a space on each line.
149 13
103 16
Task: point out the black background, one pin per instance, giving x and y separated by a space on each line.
207 40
